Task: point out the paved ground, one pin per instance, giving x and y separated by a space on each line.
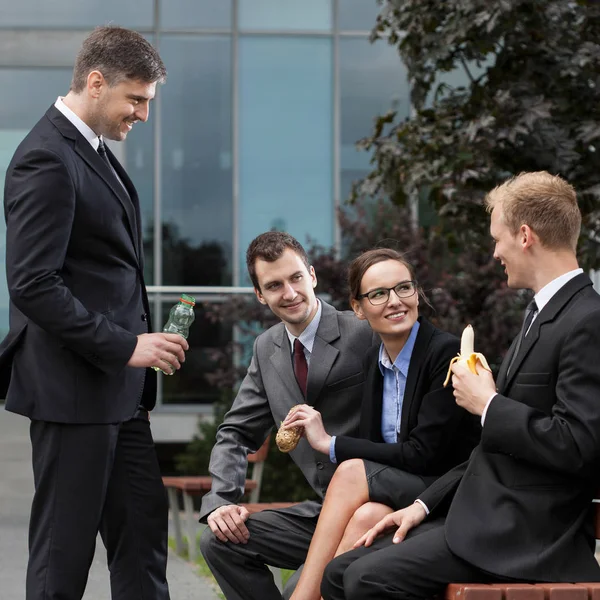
16 489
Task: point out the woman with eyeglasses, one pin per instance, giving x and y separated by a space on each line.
411 429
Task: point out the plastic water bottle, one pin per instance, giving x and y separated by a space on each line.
181 316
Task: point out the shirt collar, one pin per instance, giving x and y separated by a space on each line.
402 361
307 337
82 127
545 294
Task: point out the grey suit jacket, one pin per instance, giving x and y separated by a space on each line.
269 390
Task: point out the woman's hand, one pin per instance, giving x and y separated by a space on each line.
404 519
309 418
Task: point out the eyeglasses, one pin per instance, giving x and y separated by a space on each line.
404 289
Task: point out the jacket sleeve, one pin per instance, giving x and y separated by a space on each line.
244 429
438 423
39 210
568 439
443 488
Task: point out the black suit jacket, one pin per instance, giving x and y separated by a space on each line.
435 433
521 506
75 278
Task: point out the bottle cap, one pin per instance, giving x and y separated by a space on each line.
188 299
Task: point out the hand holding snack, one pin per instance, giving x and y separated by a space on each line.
467 354
287 439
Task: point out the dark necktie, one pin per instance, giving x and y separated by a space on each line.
104 157
300 365
529 314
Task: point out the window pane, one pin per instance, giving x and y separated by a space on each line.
196 161
358 15
285 138
203 14
190 385
21 108
373 80
310 15
83 13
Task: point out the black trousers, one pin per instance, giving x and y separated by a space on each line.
90 479
418 568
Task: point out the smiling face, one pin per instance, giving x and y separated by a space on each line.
117 108
508 250
393 319
287 288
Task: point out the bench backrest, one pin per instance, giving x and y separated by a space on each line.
258 459
261 454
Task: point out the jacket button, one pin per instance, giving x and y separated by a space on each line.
144 317
320 466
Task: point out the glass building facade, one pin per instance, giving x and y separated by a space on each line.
255 129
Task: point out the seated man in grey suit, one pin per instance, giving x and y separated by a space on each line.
313 356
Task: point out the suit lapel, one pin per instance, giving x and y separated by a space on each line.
84 149
92 158
129 201
281 359
547 314
323 354
417 358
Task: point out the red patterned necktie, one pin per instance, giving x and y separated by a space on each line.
300 365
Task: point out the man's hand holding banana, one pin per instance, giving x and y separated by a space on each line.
471 376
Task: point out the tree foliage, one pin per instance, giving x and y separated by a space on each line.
530 102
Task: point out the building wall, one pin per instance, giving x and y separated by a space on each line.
254 129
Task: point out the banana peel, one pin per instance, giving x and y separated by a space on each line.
467 355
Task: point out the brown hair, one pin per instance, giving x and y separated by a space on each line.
362 263
547 203
270 246
119 54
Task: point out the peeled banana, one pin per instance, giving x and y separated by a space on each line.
467 354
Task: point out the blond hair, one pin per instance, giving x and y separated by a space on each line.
547 203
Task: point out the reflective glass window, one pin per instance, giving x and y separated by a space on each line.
201 14
285 138
190 385
196 161
357 15
373 80
21 108
308 15
82 13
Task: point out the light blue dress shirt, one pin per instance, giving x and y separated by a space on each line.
394 384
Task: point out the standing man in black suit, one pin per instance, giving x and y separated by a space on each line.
76 360
520 508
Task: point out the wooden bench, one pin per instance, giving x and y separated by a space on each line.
198 486
524 591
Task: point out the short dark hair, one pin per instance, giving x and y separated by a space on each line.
119 54
270 246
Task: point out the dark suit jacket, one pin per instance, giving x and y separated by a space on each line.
435 433
269 390
521 506
75 279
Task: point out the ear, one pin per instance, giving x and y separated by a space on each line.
313 276
260 296
526 236
95 83
357 308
